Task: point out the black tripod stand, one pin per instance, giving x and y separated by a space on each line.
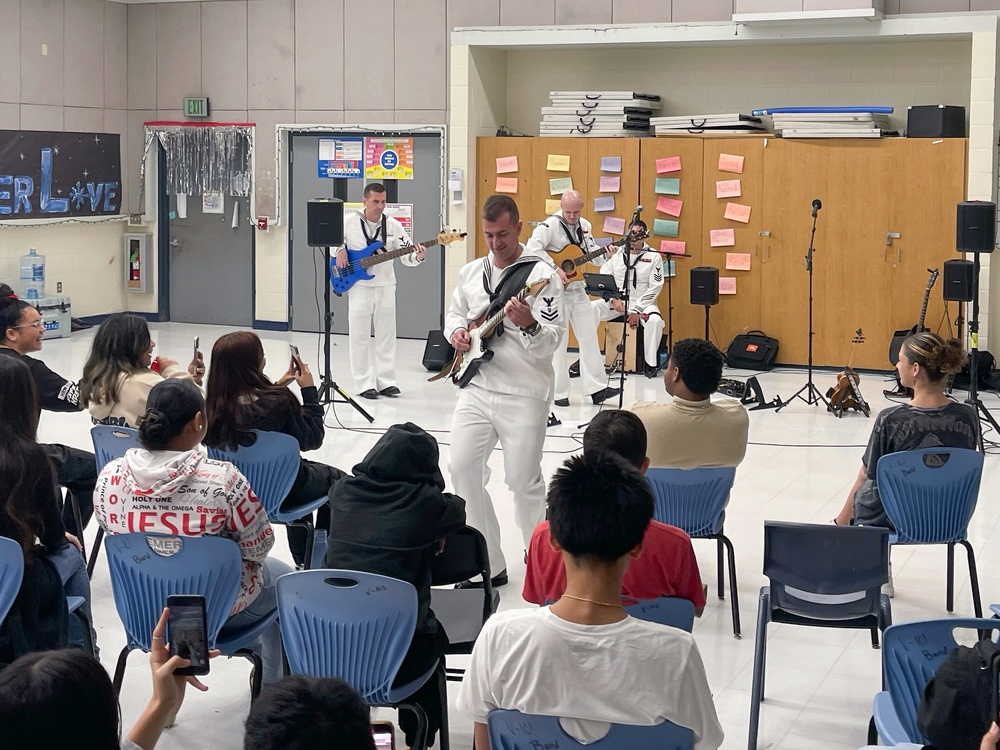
671 271
812 395
973 400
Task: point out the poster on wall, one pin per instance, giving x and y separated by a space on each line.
59 175
401 212
388 158
341 158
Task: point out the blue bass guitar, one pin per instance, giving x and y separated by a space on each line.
359 261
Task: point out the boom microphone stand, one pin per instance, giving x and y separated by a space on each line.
813 396
973 400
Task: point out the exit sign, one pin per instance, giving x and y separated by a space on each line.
196 106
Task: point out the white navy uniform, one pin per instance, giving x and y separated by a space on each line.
507 401
644 272
374 301
551 236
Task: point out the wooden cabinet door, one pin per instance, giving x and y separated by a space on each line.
488 150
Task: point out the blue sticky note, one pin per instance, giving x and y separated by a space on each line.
667 186
604 203
173 215
611 164
666 227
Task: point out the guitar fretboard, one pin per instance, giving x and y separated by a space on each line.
927 297
374 260
490 324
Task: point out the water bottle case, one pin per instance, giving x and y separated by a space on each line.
32 275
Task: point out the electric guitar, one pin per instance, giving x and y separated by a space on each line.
900 336
465 365
569 259
359 261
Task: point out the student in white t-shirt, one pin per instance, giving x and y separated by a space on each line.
583 658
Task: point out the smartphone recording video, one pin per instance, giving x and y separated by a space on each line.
187 632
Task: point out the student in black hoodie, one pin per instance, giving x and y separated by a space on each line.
21 332
392 517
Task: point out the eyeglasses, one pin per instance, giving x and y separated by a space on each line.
38 325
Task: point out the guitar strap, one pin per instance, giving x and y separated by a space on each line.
512 281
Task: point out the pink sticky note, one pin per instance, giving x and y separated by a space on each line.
728 189
610 184
669 206
730 163
668 164
613 225
722 237
506 185
737 212
738 261
674 247
506 164
727 285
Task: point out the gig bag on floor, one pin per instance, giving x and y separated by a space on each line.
753 350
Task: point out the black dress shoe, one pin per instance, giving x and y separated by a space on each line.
574 369
561 402
500 579
392 391
601 396
652 372
370 393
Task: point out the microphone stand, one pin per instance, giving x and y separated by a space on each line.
813 396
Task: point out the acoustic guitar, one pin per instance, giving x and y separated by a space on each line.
569 259
846 394
463 368
359 261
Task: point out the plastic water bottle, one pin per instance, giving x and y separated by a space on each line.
32 275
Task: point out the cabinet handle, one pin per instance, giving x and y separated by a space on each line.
755 251
885 252
768 253
899 255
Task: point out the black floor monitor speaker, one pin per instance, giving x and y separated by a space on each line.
704 285
325 222
958 280
976 228
437 352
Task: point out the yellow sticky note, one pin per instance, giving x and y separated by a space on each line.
557 163
506 184
551 206
737 212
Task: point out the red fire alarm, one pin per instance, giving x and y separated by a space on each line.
262 223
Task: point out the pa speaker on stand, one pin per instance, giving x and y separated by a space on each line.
705 291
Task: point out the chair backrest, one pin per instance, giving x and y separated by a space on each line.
666 610
347 624
11 573
513 730
930 494
147 568
911 653
823 571
691 499
463 612
111 442
270 465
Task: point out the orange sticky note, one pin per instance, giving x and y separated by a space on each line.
727 285
669 206
668 164
674 247
730 163
728 189
506 164
722 237
737 212
738 261
506 185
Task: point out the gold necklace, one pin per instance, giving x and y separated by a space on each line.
593 601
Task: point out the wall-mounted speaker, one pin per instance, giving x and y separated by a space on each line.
976 227
959 279
704 285
325 222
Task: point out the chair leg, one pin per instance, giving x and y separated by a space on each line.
74 505
950 595
257 678
307 524
875 643
442 677
120 669
977 602
719 568
95 552
734 600
872 732
759 656
420 740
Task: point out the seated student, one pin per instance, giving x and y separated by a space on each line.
60 699
392 518
308 713
555 660
667 565
691 431
119 372
929 420
164 474
21 332
30 515
241 398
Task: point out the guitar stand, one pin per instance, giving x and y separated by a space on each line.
754 394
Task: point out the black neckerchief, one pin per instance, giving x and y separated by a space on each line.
364 230
578 240
631 266
512 281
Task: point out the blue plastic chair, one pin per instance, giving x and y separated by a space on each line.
695 501
271 465
513 730
147 568
358 627
820 575
11 573
666 610
911 653
930 496
110 443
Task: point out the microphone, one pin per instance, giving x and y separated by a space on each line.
817 205
635 216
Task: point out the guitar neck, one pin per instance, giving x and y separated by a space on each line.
587 257
491 323
923 309
374 260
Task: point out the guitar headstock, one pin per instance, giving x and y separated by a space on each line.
933 278
446 238
532 289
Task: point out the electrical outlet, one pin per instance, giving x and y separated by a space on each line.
58 287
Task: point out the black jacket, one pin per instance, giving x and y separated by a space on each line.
55 393
389 516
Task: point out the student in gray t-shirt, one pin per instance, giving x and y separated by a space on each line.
929 420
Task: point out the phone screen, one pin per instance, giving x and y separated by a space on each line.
186 632
295 357
197 341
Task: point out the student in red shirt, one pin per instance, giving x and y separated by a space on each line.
667 565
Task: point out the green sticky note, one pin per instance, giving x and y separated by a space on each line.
667 186
666 227
559 185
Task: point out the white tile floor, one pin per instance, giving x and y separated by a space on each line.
799 466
